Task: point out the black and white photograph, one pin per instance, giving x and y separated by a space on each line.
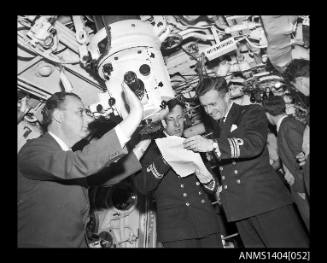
164 131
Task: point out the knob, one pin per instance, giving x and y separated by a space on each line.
112 101
145 69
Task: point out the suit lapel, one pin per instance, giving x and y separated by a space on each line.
52 142
226 126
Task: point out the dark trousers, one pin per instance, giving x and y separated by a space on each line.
279 228
306 176
210 241
303 208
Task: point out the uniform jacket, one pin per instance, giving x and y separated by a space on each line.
250 186
289 141
53 204
306 175
183 208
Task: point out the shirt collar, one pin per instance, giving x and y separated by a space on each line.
279 122
226 114
165 133
62 144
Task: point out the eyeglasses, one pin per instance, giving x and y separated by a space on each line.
81 111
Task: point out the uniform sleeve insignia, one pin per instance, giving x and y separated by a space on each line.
235 144
151 168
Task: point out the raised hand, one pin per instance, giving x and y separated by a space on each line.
133 119
198 143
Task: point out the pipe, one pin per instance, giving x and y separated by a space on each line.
110 19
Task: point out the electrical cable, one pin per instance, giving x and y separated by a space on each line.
190 54
254 45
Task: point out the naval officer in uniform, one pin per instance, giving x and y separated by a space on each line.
253 196
186 217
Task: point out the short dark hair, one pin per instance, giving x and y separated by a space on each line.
275 105
173 103
54 102
212 83
297 68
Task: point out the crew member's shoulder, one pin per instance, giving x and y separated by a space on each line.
251 108
254 106
44 140
291 122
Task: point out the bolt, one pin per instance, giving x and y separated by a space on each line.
111 101
107 68
99 108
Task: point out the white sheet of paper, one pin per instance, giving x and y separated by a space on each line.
183 161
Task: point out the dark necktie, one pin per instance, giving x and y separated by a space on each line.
222 121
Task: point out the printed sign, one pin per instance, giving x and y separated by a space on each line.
220 49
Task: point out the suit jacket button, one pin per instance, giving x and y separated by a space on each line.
197 183
223 177
187 204
184 194
200 193
238 181
225 186
221 168
235 172
233 162
203 201
182 185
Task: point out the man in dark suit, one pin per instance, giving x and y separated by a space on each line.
298 74
304 159
53 205
289 141
186 217
253 196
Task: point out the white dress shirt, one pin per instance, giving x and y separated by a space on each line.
62 144
279 122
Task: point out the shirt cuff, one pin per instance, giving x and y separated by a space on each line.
216 149
123 139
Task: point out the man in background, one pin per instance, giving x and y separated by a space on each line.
298 74
289 141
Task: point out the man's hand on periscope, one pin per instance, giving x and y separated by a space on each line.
134 117
133 101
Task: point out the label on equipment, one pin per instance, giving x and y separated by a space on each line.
220 49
